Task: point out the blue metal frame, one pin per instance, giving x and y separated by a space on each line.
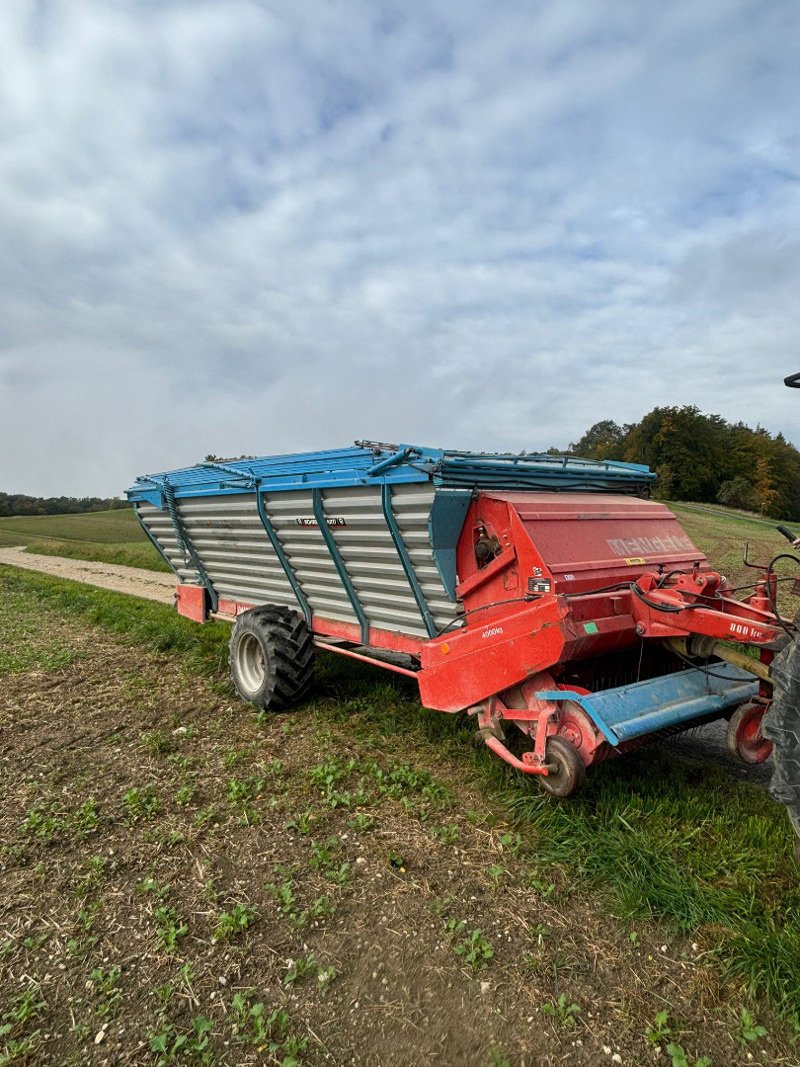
185 542
282 558
405 560
562 696
399 464
155 543
444 529
646 707
338 562
243 479
390 461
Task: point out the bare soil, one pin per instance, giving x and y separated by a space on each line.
183 883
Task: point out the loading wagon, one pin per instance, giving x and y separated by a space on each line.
547 596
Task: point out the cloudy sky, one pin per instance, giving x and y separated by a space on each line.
257 226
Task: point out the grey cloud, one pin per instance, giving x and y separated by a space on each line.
256 227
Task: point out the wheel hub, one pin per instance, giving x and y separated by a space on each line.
250 662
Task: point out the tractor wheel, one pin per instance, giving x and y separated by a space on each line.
745 740
781 725
271 657
568 770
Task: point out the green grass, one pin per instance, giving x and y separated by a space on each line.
722 536
104 536
36 595
107 527
683 845
126 554
24 643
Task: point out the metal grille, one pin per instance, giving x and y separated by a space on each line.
371 559
233 546
292 515
160 526
412 508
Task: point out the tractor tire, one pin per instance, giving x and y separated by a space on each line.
271 658
569 770
781 725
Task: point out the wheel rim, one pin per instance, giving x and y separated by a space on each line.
558 781
251 667
751 745
568 769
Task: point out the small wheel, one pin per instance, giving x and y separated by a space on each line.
568 771
271 657
745 740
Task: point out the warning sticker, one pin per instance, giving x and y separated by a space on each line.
635 561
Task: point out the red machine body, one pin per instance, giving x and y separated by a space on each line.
561 592
551 586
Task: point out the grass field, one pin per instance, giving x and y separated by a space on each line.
334 864
102 527
662 888
104 536
723 534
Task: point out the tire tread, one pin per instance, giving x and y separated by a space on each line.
290 650
782 726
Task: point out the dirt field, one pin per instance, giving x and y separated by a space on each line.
183 882
704 743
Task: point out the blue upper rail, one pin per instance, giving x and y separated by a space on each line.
380 464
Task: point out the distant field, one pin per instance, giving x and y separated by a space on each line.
722 536
108 527
116 537
105 536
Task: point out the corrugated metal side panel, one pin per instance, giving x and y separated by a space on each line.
292 515
234 548
412 508
241 563
160 526
371 559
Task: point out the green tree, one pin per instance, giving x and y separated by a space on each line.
738 492
604 440
702 457
690 444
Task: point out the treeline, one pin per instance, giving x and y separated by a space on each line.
19 504
703 457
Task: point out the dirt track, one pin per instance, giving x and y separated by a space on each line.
133 580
